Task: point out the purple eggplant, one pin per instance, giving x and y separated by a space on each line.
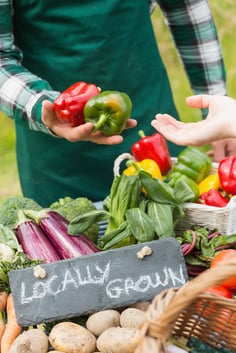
55 228
35 243
87 245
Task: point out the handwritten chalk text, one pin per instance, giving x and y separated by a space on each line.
75 278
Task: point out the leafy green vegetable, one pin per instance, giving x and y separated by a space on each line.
206 245
132 214
124 194
162 216
70 209
8 243
8 237
141 225
117 238
10 208
20 261
83 222
112 234
157 190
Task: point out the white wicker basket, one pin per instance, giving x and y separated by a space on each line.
223 219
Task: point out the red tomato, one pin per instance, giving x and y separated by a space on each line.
220 290
219 259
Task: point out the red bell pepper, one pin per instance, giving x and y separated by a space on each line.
153 147
69 105
227 174
213 197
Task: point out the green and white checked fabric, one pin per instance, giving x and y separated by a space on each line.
192 28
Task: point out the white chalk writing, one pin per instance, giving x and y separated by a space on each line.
117 287
75 278
57 284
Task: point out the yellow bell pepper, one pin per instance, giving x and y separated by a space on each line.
212 181
148 165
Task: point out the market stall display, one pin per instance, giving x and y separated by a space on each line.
130 249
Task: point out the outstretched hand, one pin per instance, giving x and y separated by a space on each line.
219 128
78 133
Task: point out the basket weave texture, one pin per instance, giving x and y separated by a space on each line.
221 218
189 311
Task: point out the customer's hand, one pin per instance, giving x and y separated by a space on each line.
78 133
219 128
222 114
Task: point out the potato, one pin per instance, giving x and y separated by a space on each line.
141 305
102 320
118 340
31 341
70 337
132 318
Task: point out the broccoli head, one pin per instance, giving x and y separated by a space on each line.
70 208
11 206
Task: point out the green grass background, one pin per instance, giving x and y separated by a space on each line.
224 13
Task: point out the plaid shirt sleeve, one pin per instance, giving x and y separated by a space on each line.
192 27
21 93
194 32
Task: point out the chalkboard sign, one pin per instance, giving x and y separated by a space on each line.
108 279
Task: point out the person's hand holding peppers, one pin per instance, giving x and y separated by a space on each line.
219 128
78 133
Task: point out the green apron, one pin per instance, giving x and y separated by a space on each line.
110 43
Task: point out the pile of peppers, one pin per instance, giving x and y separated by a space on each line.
193 163
84 102
218 188
191 168
190 172
213 189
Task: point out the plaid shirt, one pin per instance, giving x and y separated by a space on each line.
193 30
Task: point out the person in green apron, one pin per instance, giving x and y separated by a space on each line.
218 125
46 45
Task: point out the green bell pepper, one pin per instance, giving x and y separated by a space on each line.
108 111
193 163
185 189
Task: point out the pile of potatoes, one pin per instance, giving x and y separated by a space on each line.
107 331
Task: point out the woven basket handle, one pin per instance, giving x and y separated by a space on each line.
119 160
161 318
188 293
